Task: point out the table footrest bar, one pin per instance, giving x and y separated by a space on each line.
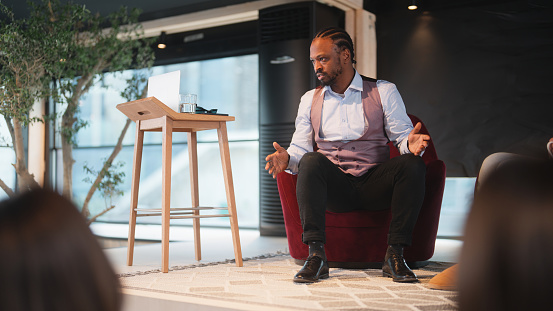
159 214
180 209
199 216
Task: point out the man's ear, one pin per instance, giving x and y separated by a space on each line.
345 55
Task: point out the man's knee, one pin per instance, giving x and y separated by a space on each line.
311 160
414 164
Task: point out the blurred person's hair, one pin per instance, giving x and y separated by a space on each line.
49 258
506 260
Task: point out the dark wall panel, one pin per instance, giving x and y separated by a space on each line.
285 74
481 77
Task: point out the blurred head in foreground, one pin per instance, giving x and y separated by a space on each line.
49 258
506 261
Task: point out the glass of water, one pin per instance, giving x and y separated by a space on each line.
187 103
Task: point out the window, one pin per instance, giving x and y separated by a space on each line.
7 172
456 203
229 84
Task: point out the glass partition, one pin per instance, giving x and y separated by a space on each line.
228 84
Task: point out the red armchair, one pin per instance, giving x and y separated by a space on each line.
359 239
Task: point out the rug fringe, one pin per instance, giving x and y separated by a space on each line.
197 265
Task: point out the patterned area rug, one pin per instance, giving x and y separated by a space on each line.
267 282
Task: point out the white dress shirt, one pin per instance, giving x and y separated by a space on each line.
342 118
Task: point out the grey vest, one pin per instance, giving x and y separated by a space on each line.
355 157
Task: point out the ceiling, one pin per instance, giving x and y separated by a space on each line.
151 9
155 9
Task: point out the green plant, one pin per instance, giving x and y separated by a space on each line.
89 48
108 185
58 53
23 65
136 88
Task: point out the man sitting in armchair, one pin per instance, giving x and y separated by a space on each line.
351 118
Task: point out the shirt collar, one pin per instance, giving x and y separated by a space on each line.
356 84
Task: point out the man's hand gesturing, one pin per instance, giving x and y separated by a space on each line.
417 141
277 161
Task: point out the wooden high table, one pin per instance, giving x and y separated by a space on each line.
151 115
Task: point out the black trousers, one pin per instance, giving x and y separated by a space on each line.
397 184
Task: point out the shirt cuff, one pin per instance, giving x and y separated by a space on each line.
292 163
404 147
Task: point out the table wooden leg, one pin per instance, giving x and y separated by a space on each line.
137 161
229 187
167 147
193 165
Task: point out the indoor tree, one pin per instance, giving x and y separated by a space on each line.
92 45
59 52
108 178
23 81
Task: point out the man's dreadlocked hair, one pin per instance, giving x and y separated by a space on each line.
339 37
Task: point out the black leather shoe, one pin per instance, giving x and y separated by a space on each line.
395 267
314 269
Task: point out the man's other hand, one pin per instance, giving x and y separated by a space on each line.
277 161
417 141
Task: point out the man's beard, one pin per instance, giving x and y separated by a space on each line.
331 78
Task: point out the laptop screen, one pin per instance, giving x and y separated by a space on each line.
165 87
